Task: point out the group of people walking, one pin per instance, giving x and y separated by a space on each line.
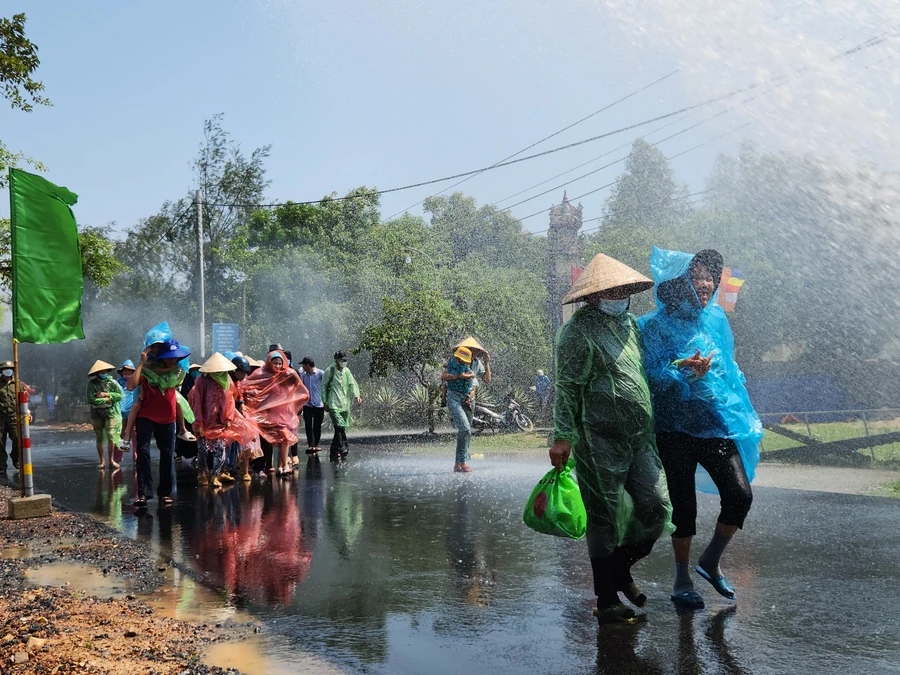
243 415
641 404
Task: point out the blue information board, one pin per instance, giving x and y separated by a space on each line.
225 337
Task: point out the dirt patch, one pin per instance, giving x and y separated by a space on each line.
64 630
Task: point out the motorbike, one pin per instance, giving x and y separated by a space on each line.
505 416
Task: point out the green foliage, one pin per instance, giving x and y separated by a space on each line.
414 335
18 61
98 261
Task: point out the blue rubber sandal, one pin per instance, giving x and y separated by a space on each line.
688 599
721 584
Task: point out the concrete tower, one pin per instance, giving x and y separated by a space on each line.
564 252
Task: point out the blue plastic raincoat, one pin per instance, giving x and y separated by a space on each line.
715 405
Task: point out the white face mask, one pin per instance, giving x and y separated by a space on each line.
614 307
7 373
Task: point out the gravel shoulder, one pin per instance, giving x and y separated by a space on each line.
62 630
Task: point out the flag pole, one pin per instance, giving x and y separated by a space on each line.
18 417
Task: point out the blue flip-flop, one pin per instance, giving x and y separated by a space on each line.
721 584
689 599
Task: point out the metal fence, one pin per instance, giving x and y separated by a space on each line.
871 420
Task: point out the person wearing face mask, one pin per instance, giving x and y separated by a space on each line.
8 406
104 395
273 396
703 413
339 390
603 416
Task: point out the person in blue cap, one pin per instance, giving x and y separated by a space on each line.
157 416
702 412
125 371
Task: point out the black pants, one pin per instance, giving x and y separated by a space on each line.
165 442
339 445
312 420
613 573
263 463
8 427
680 455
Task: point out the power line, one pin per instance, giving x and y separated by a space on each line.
498 165
547 138
175 223
590 161
878 39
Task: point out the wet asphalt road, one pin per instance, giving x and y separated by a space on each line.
393 564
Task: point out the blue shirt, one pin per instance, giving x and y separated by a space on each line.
462 385
542 386
313 382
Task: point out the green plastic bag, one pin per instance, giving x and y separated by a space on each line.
555 506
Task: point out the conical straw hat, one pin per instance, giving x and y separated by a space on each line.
100 365
471 343
217 363
603 274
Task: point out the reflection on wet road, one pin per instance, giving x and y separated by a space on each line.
395 565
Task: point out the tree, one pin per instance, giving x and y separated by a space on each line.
98 262
18 61
645 208
414 335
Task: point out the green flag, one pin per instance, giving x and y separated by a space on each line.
46 261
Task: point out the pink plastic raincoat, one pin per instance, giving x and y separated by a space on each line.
272 399
216 415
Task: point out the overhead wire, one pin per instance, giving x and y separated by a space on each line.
878 39
547 138
774 83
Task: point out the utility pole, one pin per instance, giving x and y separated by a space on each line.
199 205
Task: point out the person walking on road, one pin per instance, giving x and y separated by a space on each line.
702 409
603 415
273 396
8 406
104 396
460 379
156 418
339 390
314 410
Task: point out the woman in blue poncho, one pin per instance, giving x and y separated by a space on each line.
702 412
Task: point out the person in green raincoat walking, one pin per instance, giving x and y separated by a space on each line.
602 414
339 390
104 395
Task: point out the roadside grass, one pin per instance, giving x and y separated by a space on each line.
838 431
892 489
514 442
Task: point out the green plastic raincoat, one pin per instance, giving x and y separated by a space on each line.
602 408
339 389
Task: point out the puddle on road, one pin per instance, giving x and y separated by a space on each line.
79 577
15 553
179 597
33 550
249 657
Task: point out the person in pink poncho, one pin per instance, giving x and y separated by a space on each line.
273 395
217 421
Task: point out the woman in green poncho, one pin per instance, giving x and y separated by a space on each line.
602 414
104 395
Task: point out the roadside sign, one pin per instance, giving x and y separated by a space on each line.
225 337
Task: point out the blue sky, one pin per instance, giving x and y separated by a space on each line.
378 94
